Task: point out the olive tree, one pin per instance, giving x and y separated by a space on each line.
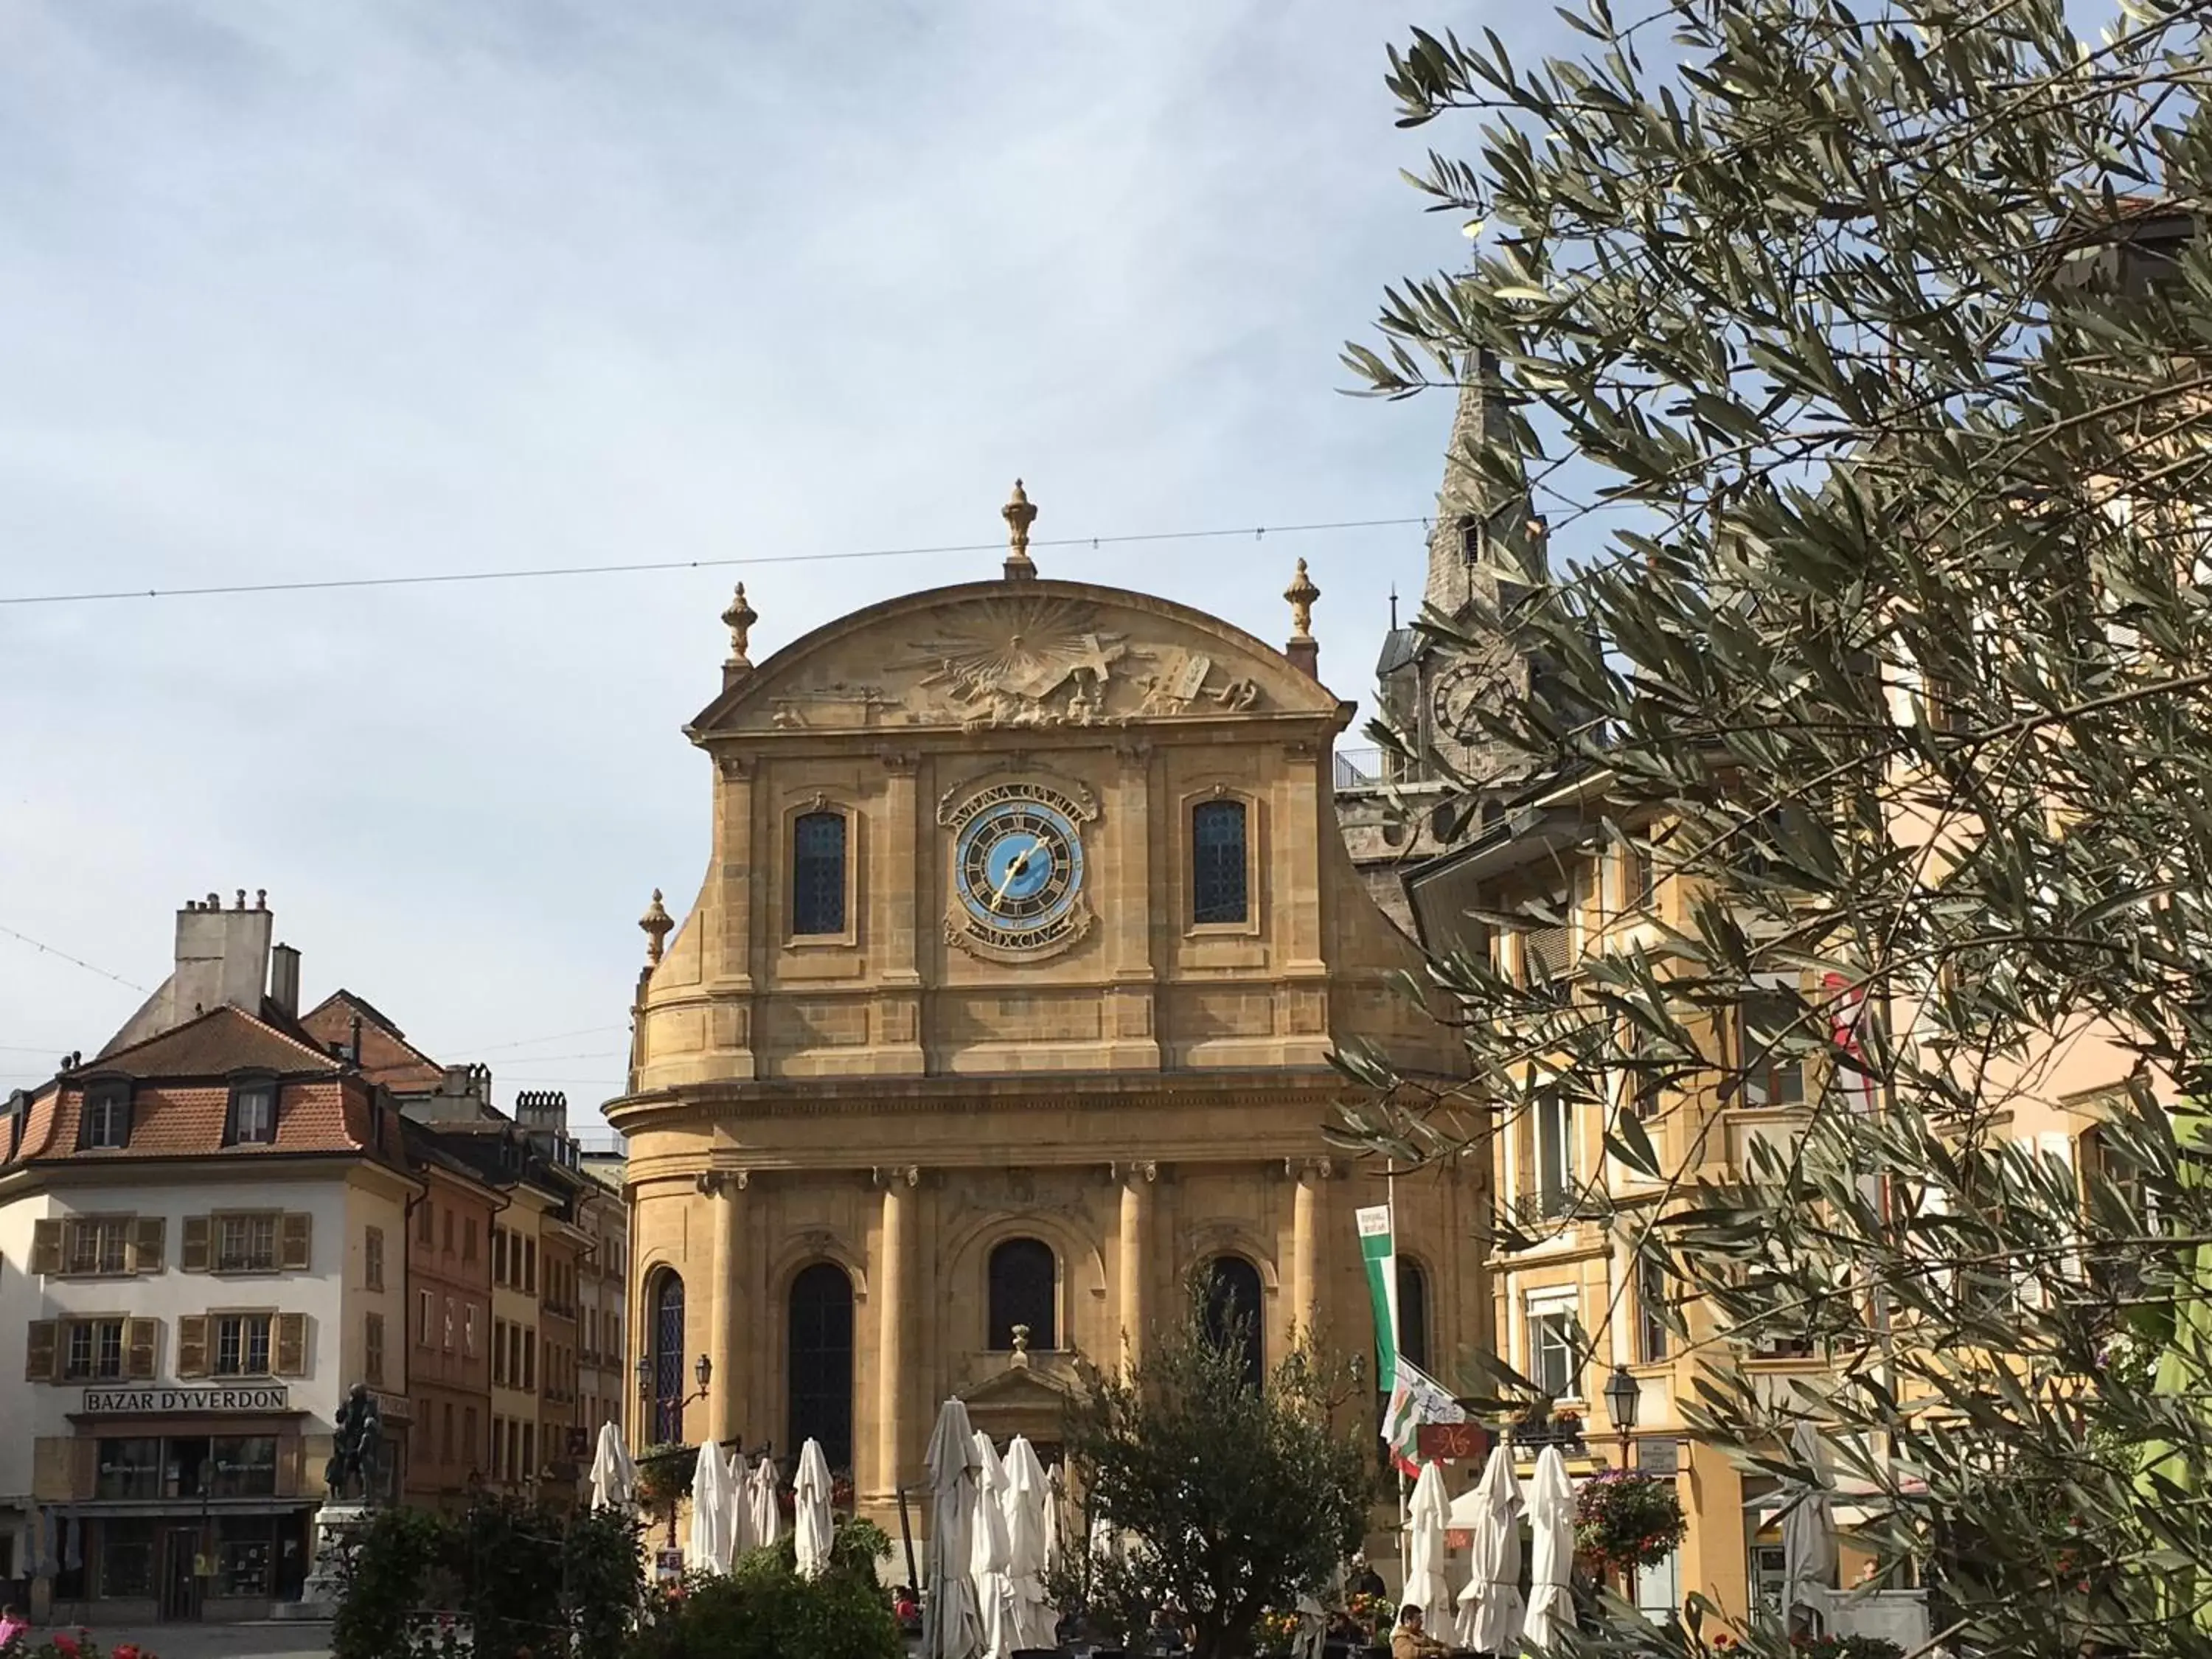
1857 358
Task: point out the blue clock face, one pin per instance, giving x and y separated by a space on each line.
1020 870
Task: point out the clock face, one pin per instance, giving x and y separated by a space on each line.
1020 863
1464 687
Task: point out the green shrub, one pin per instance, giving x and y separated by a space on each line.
765 1610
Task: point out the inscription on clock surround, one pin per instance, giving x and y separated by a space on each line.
1018 870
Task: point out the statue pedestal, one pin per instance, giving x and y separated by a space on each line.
332 1522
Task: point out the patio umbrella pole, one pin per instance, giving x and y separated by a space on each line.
906 1537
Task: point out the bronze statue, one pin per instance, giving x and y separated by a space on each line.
358 1449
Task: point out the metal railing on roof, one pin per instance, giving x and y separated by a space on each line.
1358 770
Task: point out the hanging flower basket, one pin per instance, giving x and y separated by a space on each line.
1625 1519
663 1475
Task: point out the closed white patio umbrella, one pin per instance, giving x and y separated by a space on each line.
707 1548
1427 1517
1552 1551
1491 1607
812 1527
1028 1505
988 1552
742 1539
614 1475
948 1616
1808 1535
763 1496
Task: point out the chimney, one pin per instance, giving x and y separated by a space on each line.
223 956
542 1108
284 981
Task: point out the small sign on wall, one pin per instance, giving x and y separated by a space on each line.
1451 1443
668 1565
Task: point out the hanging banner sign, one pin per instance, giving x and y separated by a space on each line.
1378 1250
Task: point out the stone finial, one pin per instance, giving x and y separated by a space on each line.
1302 650
1021 1335
1301 593
1019 516
739 619
656 921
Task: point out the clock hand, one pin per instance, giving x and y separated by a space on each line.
1014 870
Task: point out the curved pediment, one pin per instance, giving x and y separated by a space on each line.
1006 655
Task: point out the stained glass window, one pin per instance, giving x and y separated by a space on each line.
1218 883
667 1359
817 874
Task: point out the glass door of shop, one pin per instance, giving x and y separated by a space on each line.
180 1577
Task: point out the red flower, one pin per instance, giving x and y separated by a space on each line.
66 1644
123 1650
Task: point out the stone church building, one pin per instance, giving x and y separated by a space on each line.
1005 1005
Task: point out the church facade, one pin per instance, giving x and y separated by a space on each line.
1004 1009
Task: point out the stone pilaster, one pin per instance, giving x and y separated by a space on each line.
1309 1222
894 1281
725 1394
1135 1265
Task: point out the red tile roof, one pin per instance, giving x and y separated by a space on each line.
386 1056
181 1099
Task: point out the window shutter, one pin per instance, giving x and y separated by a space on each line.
45 1246
42 1355
193 1257
292 1340
138 1347
193 1342
149 1242
298 1231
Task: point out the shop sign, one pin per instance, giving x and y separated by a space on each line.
186 1402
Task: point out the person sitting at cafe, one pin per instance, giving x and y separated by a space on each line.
1410 1641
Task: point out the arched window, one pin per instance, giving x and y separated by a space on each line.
820 1371
1232 1312
666 1340
1217 862
1413 1312
817 874
1023 1285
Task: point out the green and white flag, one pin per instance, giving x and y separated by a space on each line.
1379 1250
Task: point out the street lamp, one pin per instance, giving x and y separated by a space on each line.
673 1405
1622 1396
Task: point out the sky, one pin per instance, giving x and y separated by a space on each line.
295 292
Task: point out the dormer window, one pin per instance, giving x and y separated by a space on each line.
251 1121
106 1116
817 874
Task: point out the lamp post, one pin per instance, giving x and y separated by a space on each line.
1621 1397
674 1405
203 1568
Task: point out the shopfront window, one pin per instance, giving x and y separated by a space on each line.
243 1554
129 1468
125 1558
245 1466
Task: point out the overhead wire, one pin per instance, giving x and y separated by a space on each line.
332 584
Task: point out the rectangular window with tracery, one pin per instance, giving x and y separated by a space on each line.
1219 883
817 874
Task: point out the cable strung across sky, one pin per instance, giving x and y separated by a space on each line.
1257 532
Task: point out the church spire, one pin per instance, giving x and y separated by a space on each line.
1474 531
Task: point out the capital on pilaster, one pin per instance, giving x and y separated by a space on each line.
1133 1171
888 1175
900 763
1316 1169
716 1183
738 769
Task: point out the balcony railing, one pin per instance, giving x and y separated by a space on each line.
1357 771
